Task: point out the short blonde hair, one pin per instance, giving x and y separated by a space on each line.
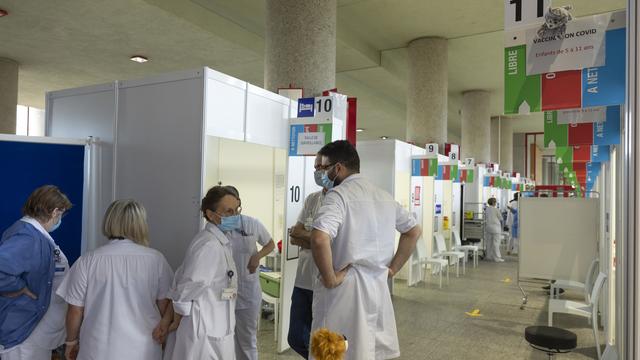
126 219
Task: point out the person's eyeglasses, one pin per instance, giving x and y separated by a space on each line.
324 167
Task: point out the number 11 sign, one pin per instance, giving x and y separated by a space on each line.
519 13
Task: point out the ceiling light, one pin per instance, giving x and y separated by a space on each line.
359 130
139 59
384 137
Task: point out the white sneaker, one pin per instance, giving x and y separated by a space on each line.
499 260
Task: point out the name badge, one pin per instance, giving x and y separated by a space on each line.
229 293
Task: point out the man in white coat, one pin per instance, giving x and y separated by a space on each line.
352 244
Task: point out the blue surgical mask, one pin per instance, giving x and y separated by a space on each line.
317 176
56 226
229 223
326 182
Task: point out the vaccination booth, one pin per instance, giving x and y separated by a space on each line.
165 140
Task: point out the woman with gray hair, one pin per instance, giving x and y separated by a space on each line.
118 293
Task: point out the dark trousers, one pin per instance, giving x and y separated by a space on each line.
300 321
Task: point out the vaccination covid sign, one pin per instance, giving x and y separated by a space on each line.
536 79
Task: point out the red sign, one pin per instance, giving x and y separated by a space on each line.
416 196
562 90
581 134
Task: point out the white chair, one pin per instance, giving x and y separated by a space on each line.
420 258
465 248
585 287
441 252
586 309
276 305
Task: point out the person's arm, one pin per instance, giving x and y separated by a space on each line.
162 329
254 261
16 259
73 323
406 246
300 236
321 251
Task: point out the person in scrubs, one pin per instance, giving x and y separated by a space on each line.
352 244
302 296
32 266
205 287
118 293
493 230
244 233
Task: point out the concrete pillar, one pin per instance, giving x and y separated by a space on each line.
519 153
427 93
495 140
300 45
506 143
476 126
8 95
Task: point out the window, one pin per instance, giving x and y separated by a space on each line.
29 121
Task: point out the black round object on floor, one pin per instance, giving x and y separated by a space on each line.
552 338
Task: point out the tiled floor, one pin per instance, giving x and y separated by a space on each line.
432 323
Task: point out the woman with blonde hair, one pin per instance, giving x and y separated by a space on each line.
31 268
117 294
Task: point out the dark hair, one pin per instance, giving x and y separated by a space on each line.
213 197
235 192
43 201
491 201
341 151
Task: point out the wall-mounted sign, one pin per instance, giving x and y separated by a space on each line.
308 139
521 13
581 46
598 133
554 90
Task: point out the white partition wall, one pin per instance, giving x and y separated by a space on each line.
84 112
166 139
558 237
387 164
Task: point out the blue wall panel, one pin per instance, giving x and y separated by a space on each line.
27 166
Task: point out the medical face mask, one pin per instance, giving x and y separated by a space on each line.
327 183
56 226
229 223
317 176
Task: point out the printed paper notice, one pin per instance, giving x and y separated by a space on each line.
309 143
581 46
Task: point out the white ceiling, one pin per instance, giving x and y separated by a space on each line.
62 44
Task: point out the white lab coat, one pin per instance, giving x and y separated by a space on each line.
207 327
243 243
50 331
493 229
307 270
118 285
361 220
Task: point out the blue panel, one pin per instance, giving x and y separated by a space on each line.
415 167
605 85
27 166
306 107
608 132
